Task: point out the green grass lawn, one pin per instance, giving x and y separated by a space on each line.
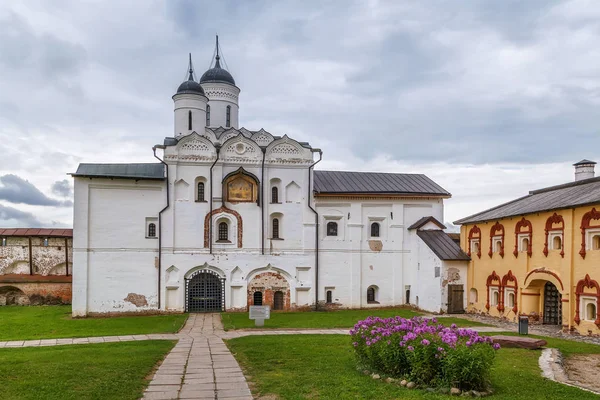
327 319
323 367
49 322
96 371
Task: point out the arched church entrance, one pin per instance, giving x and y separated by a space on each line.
552 305
204 292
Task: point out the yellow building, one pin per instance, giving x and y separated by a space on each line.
539 255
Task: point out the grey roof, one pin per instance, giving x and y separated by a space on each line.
127 171
337 182
584 162
572 194
442 245
424 221
217 74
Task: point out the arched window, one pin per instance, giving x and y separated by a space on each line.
207 115
257 297
228 117
371 295
46 242
332 228
557 243
375 229
590 312
511 300
278 300
200 191
3 241
329 296
223 231
495 298
596 242
498 246
473 296
475 249
151 230
190 120
275 228
525 244
274 195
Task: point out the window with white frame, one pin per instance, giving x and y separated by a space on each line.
151 228
494 296
509 295
555 240
588 308
592 239
497 244
333 227
276 226
474 246
376 228
523 242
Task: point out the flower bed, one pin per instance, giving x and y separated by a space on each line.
425 352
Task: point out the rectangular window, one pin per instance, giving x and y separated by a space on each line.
151 228
3 241
437 272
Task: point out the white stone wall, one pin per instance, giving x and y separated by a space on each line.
220 96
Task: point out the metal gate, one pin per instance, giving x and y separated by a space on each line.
455 299
552 305
204 292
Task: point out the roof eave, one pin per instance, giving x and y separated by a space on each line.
137 178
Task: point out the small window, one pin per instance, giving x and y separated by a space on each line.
511 300
200 191
375 229
590 312
258 297
596 242
371 295
207 115
228 117
223 231
45 242
275 228
3 241
274 195
498 246
190 120
525 244
557 243
278 300
473 296
329 297
495 298
152 230
332 228
436 272
475 247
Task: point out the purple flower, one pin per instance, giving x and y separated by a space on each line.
410 348
425 342
440 349
496 346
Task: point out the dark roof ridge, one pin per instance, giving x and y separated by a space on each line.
459 221
424 220
370 172
565 185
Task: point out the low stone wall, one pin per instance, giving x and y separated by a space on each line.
20 289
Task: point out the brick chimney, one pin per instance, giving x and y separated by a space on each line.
584 169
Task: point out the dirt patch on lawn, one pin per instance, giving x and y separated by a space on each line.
582 369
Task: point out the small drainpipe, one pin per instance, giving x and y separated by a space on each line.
160 219
210 241
316 228
262 201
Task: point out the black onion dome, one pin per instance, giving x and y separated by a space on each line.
217 74
191 87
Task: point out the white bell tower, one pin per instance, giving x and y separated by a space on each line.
190 106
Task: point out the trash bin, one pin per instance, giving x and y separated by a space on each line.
523 325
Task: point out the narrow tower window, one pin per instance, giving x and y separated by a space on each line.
228 117
190 120
200 191
329 298
275 228
274 195
207 115
375 229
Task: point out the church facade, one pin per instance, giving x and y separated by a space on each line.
230 217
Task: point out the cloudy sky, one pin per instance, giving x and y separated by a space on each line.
490 99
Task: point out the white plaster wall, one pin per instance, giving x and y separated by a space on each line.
425 284
220 96
183 103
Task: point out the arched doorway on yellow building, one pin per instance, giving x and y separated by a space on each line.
542 296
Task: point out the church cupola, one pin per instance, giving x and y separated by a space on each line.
190 105
219 86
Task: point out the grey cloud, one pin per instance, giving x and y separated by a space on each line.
62 188
11 217
16 190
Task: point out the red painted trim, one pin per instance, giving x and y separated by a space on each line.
555 219
545 271
523 223
474 231
497 227
505 283
530 294
565 300
226 210
587 282
586 223
493 277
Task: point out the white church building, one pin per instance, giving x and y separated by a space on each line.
230 217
